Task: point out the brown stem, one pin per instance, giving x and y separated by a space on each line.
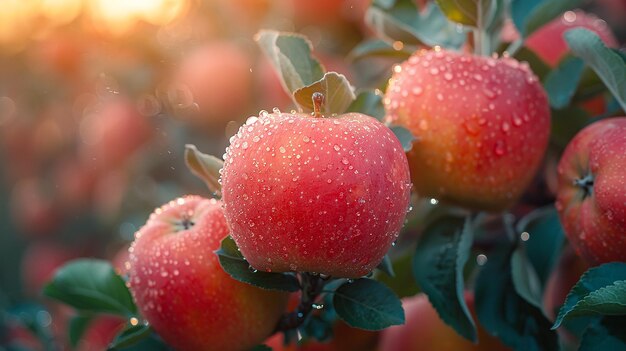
318 101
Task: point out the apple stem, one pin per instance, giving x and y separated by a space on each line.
312 285
318 101
586 183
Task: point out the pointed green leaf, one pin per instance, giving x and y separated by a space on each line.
525 279
594 279
238 268
338 94
562 82
290 55
530 15
205 167
609 65
91 285
78 326
386 266
438 269
368 304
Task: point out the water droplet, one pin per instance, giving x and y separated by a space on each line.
499 148
336 147
282 150
416 90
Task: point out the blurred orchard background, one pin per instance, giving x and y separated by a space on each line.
98 99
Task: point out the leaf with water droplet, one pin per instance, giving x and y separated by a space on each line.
530 15
238 268
405 137
205 167
368 304
131 335
337 91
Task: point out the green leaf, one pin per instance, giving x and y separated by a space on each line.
403 22
131 335
525 279
438 269
530 15
369 103
561 83
290 55
78 326
378 48
337 91
545 240
475 13
205 167
609 333
261 348
405 137
505 314
386 266
605 62
238 268
91 285
368 304
594 280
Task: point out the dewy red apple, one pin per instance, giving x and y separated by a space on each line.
591 197
315 194
180 288
482 126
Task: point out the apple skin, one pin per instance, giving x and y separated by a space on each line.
113 134
180 288
323 195
482 126
549 44
594 216
425 331
219 79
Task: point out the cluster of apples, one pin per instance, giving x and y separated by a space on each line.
329 194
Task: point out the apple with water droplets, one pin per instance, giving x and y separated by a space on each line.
307 193
182 291
591 197
481 125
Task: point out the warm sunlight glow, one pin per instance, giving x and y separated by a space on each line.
119 16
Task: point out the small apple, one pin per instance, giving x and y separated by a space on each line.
425 331
313 194
218 79
481 126
591 197
182 291
549 44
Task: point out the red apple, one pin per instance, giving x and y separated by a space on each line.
425 331
113 134
180 288
100 333
566 274
324 195
549 44
482 126
217 76
591 197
